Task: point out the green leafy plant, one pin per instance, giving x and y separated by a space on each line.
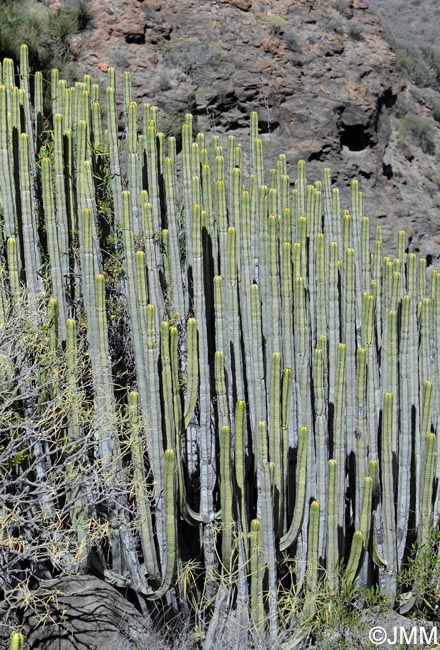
420 131
420 580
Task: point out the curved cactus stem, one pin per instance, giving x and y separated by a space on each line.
312 561
355 557
170 527
301 478
192 371
145 523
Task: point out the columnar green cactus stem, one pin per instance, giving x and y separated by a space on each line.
349 336
60 197
166 267
408 401
192 371
427 491
152 258
256 381
273 341
222 226
154 415
312 560
300 491
195 189
145 523
76 490
4 302
287 394
234 215
365 258
54 94
240 465
302 240
355 556
11 254
276 449
38 109
170 526
339 429
261 231
425 368
96 128
300 186
320 429
221 343
220 389
207 447
16 641
301 352
177 299
253 131
133 166
321 286
367 498
226 495
245 269
287 326
257 576
332 551
24 86
170 431
426 405
265 505
347 230
233 313
53 244
421 280
104 396
361 454
387 481
195 165
177 405
115 166
333 317
32 258
8 75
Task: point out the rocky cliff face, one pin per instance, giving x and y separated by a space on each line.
319 73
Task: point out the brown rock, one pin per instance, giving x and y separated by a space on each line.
244 5
85 612
323 91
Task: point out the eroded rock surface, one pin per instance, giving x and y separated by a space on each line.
86 613
320 75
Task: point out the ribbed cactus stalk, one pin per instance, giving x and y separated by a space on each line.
332 525
387 484
256 576
145 522
312 560
16 641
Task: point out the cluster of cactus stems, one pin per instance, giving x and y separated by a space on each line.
286 396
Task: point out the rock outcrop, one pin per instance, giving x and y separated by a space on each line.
320 75
85 612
